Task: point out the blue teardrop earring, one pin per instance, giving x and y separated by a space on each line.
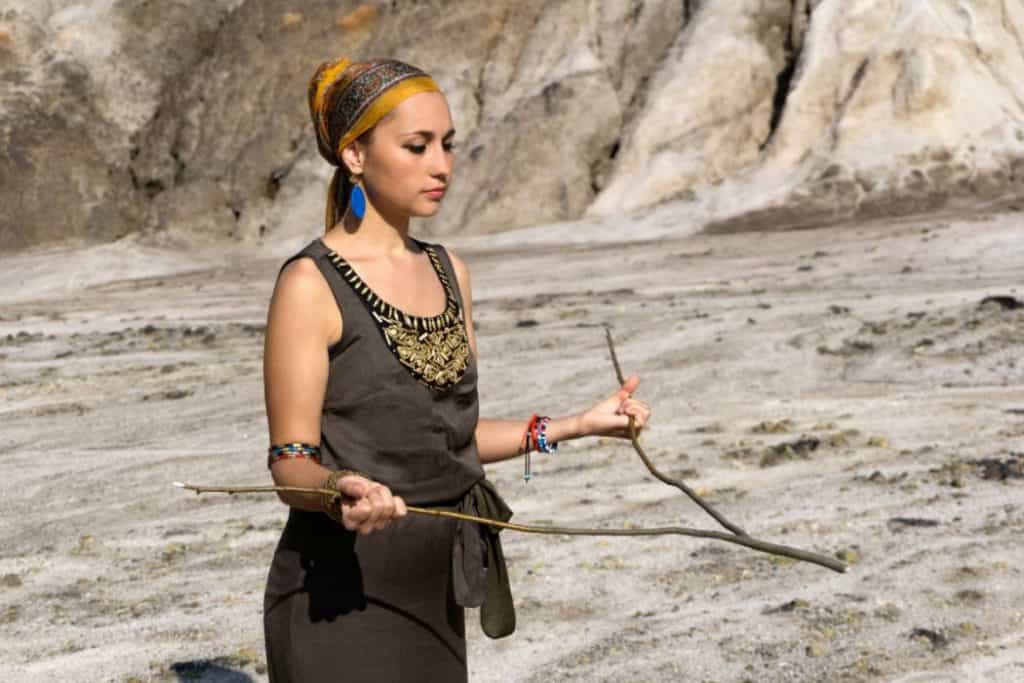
357 200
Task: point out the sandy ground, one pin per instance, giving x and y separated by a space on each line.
840 389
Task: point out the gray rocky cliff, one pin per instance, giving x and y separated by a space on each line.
189 118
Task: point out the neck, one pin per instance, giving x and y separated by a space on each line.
375 234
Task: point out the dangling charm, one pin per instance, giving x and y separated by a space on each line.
357 200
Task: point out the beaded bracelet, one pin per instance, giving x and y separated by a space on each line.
542 443
536 436
296 449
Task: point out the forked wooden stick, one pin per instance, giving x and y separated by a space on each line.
736 534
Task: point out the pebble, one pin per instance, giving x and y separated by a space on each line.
848 555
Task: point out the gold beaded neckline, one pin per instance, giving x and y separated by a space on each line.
434 348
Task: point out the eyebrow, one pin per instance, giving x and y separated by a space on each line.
428 134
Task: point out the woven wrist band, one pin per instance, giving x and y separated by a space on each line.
542 441
296 449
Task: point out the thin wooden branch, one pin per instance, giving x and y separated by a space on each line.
747 541
650 465
738 535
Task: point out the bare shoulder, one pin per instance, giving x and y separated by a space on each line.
300 267
301 279
303 297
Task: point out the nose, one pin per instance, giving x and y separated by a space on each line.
441 163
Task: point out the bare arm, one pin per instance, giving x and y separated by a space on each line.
503 439
295 371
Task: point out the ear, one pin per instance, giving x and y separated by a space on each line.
353 154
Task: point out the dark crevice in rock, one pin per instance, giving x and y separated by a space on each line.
273 185
855 81
614 149
153 187
638 98
551 93
278 175
799 19
478 94
782 83
639 94
635 10
600 166
179 166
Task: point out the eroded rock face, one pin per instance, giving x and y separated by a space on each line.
190 117
708 108
79 80
895 107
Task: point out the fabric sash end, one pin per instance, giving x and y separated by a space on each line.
478 564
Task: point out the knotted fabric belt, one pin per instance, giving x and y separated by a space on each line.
478 565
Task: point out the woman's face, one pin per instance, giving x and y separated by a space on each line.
410 153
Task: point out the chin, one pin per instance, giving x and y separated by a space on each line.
426 209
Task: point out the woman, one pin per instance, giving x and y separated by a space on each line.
370 383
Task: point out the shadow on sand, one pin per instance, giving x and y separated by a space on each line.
215 670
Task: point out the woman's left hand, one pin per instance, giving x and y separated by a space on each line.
610 417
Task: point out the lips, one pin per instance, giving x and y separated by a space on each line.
436 192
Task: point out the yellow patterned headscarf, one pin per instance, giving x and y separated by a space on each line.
346 98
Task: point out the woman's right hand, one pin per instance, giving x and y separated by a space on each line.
367 505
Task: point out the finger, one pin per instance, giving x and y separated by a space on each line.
400 508
624 406
388 511
630 410
384 507
354 486
629 386
376 500
638 409
638 414
366 525
630 406
354 514
638 421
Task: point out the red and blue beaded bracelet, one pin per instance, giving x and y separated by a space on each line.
536 435
295 449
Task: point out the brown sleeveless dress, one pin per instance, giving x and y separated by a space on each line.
401 406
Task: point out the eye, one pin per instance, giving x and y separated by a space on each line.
420 149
